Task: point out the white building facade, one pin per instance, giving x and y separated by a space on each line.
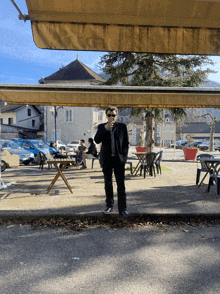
72 123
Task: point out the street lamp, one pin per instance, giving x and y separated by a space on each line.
54 111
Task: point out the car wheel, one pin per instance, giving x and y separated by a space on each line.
3 165
26 162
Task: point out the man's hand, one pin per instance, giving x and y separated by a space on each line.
109 126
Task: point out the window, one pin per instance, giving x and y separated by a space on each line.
100 115
1 121
10 120
33 123
68 115
29 112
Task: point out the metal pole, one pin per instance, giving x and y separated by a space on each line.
55 118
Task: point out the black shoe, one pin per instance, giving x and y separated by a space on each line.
108 210
123 213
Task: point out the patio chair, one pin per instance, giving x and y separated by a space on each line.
203 166
43 159
147 163
157 161
130 163
97 158
215 178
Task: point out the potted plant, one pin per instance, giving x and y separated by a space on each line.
140 147
191 151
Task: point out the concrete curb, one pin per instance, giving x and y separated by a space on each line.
101 216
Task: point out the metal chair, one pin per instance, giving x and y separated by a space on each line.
147 163
203 166
157 161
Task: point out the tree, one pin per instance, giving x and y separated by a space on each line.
146 69
212 127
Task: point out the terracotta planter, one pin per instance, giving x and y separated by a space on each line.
140 149
190 153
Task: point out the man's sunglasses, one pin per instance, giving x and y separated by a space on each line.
109 115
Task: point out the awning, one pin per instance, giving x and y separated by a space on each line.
103 96
158 26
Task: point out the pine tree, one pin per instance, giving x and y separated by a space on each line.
163 70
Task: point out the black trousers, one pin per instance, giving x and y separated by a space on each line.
119 170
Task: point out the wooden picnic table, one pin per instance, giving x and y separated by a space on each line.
57 162
140 158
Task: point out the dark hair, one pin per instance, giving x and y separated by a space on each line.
111 108
82 140
90 140
51 144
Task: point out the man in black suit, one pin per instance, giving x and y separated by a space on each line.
114 151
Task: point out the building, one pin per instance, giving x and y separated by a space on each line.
200 131
21 121
72 123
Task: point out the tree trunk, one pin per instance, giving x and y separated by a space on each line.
212 130
149 138
174 146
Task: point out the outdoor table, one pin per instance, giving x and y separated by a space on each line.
56 162
139 157
210 164
70 154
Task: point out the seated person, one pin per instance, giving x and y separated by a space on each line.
81 149
55 152
91 153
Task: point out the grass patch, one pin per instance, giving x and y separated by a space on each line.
163 168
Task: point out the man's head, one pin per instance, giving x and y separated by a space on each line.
111 113
82 142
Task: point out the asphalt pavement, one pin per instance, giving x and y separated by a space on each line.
147 259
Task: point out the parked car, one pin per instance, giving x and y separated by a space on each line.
73 145
59 144
204 146
196 143
25 156
193 144
34 146
179 144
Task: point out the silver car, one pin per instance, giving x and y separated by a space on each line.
25 156
73 145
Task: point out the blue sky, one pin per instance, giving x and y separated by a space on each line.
22 62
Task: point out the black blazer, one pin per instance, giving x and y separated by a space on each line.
121 142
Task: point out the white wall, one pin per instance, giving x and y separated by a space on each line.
23 120
82 126
5 117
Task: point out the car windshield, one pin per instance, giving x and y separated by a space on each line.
9 144
40 144
74 142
